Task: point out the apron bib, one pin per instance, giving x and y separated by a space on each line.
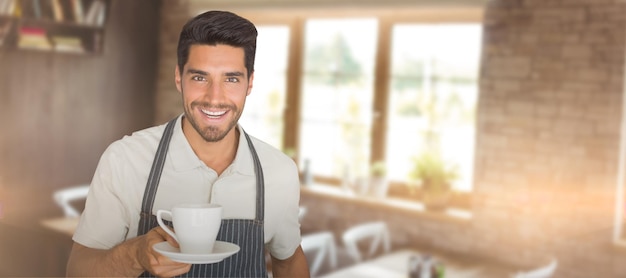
247 233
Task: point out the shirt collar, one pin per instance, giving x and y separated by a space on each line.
184 158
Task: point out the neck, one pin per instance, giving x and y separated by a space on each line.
215 155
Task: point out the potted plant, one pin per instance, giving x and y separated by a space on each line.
290 152
434 178
378 179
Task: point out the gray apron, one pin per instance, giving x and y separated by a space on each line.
247 233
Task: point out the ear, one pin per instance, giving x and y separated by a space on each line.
177 79
250 81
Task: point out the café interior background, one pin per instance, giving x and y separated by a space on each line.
546 151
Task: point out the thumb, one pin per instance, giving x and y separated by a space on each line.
166 236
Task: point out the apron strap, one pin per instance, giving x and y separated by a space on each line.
260 182
154 177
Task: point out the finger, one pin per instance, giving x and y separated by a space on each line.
166 265
163 266
158 230
166 237
171 272
173 242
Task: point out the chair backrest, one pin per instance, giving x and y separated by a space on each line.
301 213
65 196
544 271
322 244
376 232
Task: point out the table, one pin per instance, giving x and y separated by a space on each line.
65 225
395 265
30 249
344 194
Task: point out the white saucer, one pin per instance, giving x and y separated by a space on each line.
221 250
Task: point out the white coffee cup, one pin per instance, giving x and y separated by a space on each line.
196 226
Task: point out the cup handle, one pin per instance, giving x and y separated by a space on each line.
165 227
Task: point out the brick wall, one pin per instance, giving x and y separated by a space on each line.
548 132
548 138
174 14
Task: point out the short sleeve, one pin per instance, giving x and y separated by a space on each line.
287 238
104 221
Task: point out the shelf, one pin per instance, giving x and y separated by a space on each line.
58 26
64 24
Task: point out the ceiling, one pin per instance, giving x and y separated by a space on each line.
332 4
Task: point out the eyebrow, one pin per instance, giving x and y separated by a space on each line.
201 72
235 73
195 71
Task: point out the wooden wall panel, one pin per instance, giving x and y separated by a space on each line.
58 113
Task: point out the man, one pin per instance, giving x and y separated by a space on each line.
201 156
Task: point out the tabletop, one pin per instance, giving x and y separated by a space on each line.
65 225
396 265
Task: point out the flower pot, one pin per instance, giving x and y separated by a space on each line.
436 201
362 186
379 187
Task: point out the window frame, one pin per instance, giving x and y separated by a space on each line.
295 19
619 237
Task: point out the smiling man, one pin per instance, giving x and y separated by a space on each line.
202 156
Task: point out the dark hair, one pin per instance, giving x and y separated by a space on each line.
218 27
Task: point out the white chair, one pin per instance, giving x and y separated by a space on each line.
544 271
376 232
65 196
322 245
301 213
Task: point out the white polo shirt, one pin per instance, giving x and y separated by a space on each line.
113 205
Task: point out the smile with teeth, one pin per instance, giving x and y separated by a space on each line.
213 114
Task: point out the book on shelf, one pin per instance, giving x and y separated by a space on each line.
101 15
36 8
41 9
33 38
11 7
91 12
97 42
5 28
57 9
7 7
96 13
77 9
69 44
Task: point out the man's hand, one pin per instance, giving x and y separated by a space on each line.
153 261
294 266
129 258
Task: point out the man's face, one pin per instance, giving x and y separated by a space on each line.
214 87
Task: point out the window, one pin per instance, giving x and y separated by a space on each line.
433 93
619 230
337 95
343 91
264 109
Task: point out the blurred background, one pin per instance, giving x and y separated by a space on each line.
514 106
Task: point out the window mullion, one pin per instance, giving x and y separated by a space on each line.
294 92
381 90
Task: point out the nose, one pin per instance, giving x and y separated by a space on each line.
215 92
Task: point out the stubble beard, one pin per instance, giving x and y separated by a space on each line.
211 133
